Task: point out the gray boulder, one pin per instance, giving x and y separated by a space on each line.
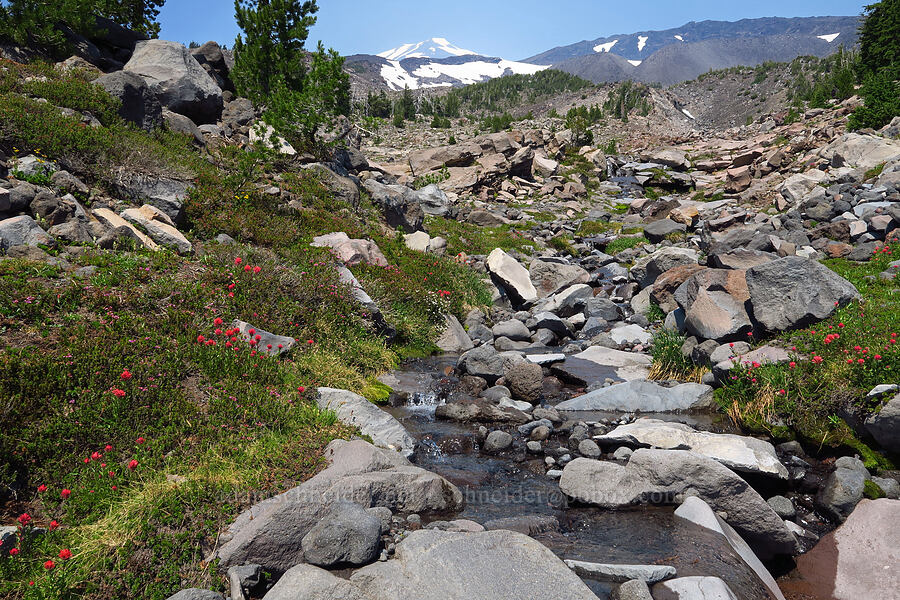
398 203
497 441
512 276
647 269
177 79
636 589
196 594
22 231
643 396
354 410
794 292
432 200
437 565
162 192
347 535
454 339
552 277
512 329
740 453
270 533
486 362
841 493
884 425
138 103
621 573
693 588
212 59
659 476
525 381
306 582
658 230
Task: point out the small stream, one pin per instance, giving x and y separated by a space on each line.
514 484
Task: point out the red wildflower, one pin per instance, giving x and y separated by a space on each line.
24 519
107 448
251 331
861 361
817 359
141 440
126 375
118 393
65 493
792 364
42 488
96 456
218 322
877 357
53 525
133 464
49 565
200 339
257 269
248 268
238 260
13 551
65 554
301 389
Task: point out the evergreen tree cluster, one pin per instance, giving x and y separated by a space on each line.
626 97
42 25
879 65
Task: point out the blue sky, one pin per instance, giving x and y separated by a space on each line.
511 29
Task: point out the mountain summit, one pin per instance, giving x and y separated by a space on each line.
432 48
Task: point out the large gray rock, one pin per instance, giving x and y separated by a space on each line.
636 589
432 200
213 61
486 362
354 410
164 193
697 511
438 565
857 560
22 231
861 151
525 381
621 573
658 476
196 594
514 278
138 103
884 425
643 396
177 79
842 491
513 329
347 535
658 230
740 453
693 588
306 582
454 339
647 269
497 441
344 187
794 292
270 533
398 203
552 277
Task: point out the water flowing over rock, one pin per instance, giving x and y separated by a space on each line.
659 475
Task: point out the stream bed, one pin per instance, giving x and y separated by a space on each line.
514 485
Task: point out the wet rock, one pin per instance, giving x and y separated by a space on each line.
643 396
596 364
884 425
509 565
525 381
486 362
480 411
857 560
589 449
659 475
783 507
740 453
346 535
842 492
526 524
354 410
497 441
795 292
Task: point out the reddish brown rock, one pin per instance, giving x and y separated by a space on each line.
663 292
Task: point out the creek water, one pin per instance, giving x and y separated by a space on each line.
514 484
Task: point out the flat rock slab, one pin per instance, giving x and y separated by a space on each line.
545 359
512 275
693 588
596 364
306 582
737 452
158 226
114 221
268 343
439 565
658 476
643 396
354 410
857 560
621 573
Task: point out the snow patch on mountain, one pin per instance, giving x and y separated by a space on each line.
436 74
679 38
432 48
605 47
635 63
642 41
829 38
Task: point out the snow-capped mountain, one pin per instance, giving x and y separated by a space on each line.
433 48
674 55
432 63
